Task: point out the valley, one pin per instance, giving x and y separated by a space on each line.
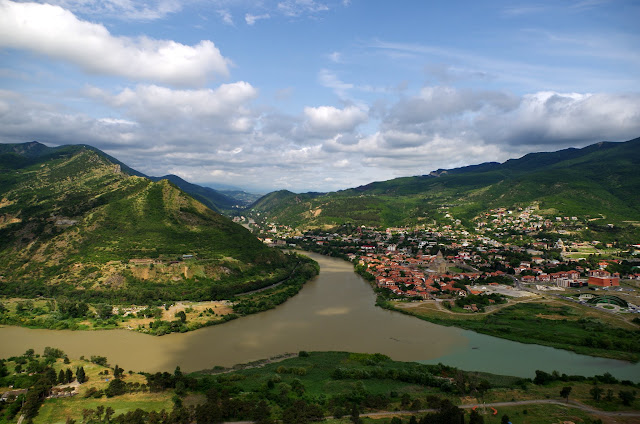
100 247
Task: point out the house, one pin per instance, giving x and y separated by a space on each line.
12 394
528 279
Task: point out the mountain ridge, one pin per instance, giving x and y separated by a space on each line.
72 221
601 178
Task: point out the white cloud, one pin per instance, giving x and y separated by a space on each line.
252 19
298 7
563 119
226 16
209 135
224 108
147 10
328 119
331 80
57 33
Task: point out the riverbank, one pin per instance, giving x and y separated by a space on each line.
333 312
160 319
553 323
329 386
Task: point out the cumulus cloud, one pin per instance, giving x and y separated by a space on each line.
196 115
59 34
155 103
331 120
217 135
437 102
550 118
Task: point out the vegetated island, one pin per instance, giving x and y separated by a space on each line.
334 387
88 243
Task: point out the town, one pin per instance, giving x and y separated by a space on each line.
510 253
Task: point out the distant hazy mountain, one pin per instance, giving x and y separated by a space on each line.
599 180
210 197
72 216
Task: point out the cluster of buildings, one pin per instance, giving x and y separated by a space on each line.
500 242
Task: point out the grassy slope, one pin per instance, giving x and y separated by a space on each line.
118 217
599 179
208 196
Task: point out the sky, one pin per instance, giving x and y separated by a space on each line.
317 95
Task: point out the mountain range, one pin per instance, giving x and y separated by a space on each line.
600 182
71 214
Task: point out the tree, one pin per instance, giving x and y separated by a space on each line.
297 387
80 375
565 392
51 376
181 316
69 375
108 413
609 396
596 392
104 311
355 414
504 419
62 377
52 352
116 387
261 414
627 396
405 400
117 371
476 418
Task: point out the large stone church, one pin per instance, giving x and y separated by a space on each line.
440 264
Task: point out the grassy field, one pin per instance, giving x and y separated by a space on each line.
548 322
56 411
333 380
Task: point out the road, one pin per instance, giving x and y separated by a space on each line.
496 405
571 404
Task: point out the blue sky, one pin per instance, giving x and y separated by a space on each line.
317 95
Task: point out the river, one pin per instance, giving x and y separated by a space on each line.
334 311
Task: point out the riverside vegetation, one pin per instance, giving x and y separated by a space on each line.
336 387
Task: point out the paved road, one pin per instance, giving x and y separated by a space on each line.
571 404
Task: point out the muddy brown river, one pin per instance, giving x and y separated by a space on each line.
334 311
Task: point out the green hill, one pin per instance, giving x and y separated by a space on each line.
75 221
212 198
592 182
